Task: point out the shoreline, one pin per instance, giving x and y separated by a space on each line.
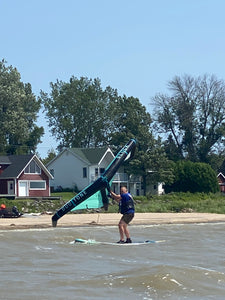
107 219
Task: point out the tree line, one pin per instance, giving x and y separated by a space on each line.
187 124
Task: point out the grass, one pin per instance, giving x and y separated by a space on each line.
173 202
184 202
180 202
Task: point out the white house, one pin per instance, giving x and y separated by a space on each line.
76 168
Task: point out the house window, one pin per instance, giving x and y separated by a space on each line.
33 168
96 171
84 172
37 185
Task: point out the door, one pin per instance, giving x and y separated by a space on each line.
23 188
11 187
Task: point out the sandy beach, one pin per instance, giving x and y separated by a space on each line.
103 219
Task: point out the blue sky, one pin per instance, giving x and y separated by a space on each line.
135 46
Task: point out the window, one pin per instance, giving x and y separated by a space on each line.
38 185
84 172
33 168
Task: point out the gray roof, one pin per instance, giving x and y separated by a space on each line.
16 164
4 160
91 155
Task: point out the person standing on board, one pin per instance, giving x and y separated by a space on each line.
126 208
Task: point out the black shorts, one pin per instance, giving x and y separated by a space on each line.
127 218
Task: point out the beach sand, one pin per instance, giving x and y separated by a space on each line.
103 219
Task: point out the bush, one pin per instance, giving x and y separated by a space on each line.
194 178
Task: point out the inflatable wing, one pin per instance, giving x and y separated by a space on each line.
101 184
98 200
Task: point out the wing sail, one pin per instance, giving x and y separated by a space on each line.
94 201
101 184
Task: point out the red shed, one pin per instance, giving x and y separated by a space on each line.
23 176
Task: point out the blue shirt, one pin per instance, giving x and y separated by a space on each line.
126 204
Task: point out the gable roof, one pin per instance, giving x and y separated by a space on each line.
17 164
91 155
221 174
222 168
4 160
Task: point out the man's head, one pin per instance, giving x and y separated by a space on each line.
123 190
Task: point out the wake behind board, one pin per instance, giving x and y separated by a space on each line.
94 242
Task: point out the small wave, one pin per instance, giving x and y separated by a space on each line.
163 282
43 249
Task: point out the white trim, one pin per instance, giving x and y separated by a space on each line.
104 155
221 175
40 164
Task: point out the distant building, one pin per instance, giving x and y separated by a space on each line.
23 176
76 168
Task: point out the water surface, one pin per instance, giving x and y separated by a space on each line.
45 264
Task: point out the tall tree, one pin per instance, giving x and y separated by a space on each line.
78 112
192 117
152 165
82 114
18 113
131 120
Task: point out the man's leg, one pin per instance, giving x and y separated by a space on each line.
126 231
126 220
121 229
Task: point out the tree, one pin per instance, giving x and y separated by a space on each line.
78 112
18 113
131 120
51 154
193 177
82 114
152 165
192 117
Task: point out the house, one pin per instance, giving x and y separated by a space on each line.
221 180
76 168
23 176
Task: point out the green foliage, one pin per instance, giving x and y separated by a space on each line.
183 202
193 177
82 114
78 112
51 154
130 120
152 164
18 114
192 117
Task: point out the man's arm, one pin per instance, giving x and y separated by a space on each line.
115 196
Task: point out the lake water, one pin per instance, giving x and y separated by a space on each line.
44 264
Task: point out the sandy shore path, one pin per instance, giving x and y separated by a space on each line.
98 219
